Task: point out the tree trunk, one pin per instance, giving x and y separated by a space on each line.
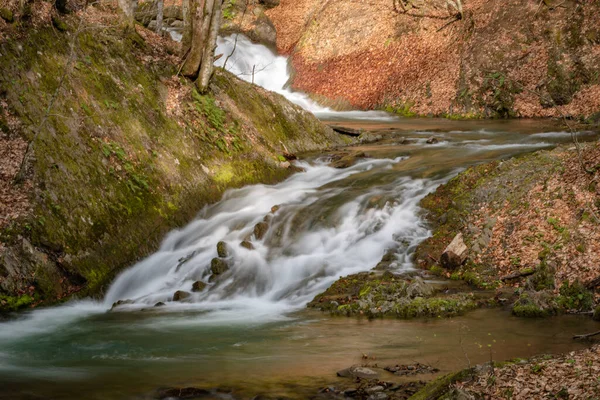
188 10
128 8
206 69
160 5
200 29
455 254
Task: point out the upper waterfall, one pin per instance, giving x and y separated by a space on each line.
258 64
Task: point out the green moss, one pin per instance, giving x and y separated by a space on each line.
7 15
402 109
59 24
440 386
14 303
529 311
575 296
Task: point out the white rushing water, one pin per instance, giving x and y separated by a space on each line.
271 71
318 234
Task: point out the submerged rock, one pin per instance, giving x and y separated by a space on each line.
260 230
358 372
198 286
218 266
247 245
432 140
222 249
121 303
181 295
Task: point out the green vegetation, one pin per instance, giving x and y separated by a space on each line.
574 296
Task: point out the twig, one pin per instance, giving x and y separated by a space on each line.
587 335
236 37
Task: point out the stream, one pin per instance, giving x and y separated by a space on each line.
249 331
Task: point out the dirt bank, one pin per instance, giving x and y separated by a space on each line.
512 58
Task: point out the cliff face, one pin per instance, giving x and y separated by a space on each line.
123 150
510 58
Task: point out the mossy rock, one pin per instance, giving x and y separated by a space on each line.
439 387
222 249
7 15
218 266
534 305
575 296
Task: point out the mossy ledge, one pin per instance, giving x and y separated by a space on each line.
128 152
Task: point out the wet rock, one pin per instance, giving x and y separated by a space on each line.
346 131
411 369
346 160
260 230
247 245
369 137
222 249
418 288
181 295
159 304
274 209
218 266
182 393
432 140
121 303
198 286
374 389
358 372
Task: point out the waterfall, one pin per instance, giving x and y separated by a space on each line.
257 63
319 231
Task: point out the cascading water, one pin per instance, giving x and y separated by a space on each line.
257 63
318 233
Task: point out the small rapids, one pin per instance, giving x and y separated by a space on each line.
329 223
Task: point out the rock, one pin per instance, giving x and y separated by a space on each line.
181 295
346 131
358 372
347 160
159 304
432 140
152 25
260 230
218 266
247 244
222 249
198 286
455 254
374 389
368 137
176 24
285 164
121 303
274 209
269 3
418 288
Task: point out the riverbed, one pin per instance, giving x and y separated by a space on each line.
249 333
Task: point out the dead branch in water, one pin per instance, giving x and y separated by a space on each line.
586 336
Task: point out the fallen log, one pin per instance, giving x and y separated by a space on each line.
346 131
518 274
455 254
